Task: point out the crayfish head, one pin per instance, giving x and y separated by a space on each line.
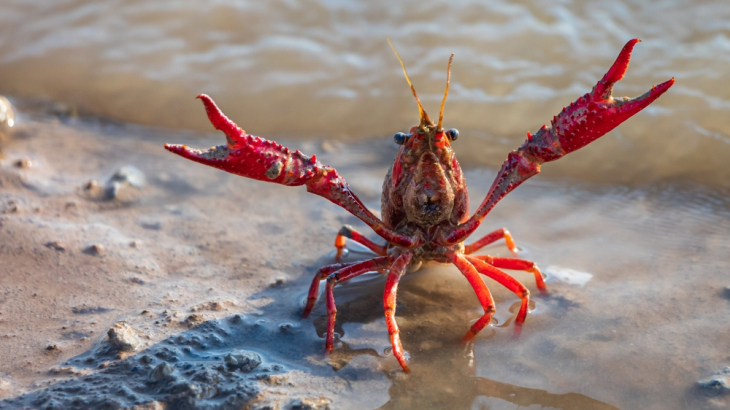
425 185
426 175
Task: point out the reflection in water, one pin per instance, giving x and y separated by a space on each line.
444 372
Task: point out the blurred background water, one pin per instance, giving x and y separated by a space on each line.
321 69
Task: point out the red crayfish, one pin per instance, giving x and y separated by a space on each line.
424 200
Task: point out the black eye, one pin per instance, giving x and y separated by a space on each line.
453 134
400 138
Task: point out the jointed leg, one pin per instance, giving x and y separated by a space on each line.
346 273
505 280
480 288
321 274
391 289
492 237
348 232
517 264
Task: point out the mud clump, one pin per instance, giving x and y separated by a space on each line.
311 403
242 360
124 185
56 246
120 184
718 383
213 305
194 320
161 371
123 337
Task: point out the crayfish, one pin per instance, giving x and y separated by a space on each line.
424 201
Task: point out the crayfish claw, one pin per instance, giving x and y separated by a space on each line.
598 112
617 70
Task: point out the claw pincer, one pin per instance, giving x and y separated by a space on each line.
251 156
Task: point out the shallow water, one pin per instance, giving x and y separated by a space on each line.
642 215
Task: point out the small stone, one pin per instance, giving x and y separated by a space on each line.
24 163
145 312
92 184
56 246
161 371
95 249
123 337
279 280
726 292
137 280
718 382
136 244
52 347
243 360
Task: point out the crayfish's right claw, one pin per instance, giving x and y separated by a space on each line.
250 156
582 122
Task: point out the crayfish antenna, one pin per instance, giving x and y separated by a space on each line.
443 102
421 112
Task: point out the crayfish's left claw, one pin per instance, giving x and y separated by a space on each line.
582 122
598 112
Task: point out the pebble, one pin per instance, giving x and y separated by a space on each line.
24 163
7 115
95 249
123 337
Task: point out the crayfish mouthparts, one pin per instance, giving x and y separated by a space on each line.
437 223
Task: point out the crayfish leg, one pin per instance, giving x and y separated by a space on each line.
389 299
491 238
481 290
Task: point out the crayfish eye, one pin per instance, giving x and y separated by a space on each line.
400 138
453 134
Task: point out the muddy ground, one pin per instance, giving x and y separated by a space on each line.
208 273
